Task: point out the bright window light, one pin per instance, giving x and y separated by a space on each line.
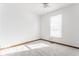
13 50
56 26
38 45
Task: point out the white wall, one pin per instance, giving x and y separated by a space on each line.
45 27
70 25
17 25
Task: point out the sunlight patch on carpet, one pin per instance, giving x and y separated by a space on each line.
13 50
38 45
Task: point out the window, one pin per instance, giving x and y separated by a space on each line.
56 26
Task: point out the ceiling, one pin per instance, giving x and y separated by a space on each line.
38 8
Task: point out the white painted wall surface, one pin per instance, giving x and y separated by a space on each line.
45 27
17 25
70 25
